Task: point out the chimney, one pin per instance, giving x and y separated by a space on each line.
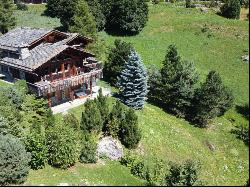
24 53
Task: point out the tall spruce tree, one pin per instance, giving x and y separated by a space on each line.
117 57
7 19
179 80
91 118
133 82
212 99
83 21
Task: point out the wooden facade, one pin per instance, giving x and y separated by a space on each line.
57 67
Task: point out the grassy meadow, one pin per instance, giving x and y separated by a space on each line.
217 46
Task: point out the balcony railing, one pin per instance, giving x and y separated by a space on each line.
45 87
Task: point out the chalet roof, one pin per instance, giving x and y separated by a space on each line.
23 37
38 56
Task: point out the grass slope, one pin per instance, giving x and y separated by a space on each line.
183 26
166 136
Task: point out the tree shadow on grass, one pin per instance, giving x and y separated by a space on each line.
243 110
117 32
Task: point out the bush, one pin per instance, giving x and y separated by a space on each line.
188 3
130 159
14 161
129 133
185 174
62 144
156 173
21 6
231 9
88 151
139 170
130 16
117 57
4 126
71 121
35 143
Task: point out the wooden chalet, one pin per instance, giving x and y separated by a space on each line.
54 64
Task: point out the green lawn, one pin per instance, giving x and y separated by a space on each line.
2 83
164 135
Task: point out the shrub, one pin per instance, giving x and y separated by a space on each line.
139 170
14 95
4 126
130 159
14 161
212 99
188 3
71 120
129 133
35 144
155 1
185 174
117 57
91 121
132 82
231 9
61 141
21 6
88 151
156 173
130 16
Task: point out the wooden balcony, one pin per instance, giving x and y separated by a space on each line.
45 86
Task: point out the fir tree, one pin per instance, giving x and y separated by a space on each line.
179 80
83 21
102 104
14 161
129 133
116 116
91 118
117 57
7 19
96 10
133 82
212 99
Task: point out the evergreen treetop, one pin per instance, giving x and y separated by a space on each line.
7 19
133 82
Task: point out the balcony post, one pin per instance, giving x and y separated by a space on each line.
63 70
